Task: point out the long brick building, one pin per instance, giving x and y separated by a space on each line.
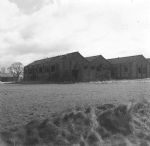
73 67
100 68
132 67
68 67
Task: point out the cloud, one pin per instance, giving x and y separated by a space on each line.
34 29
30 6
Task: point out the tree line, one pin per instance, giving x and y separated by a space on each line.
15 69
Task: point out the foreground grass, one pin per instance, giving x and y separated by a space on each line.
101 125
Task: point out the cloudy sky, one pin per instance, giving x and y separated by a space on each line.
35 29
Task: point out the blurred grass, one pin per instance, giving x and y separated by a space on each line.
103 125
20 104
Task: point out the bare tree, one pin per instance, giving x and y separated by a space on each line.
16 69
3 70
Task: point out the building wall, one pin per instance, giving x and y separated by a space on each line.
131 69
67 68
74 68
100 69
6 79
122 71
42 72
148 69
140 68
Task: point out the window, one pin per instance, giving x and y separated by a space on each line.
125 69
70 63
43 68
25 70
47 69
99 67
29 70
40 69
92 67
36 69
144 70
53 68
85 67
139 70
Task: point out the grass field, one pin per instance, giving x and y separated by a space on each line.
99 114
21 103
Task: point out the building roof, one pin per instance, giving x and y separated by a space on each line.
54 59
6 75
125 59
92 58
98 58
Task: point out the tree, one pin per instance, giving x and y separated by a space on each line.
16 69
3 70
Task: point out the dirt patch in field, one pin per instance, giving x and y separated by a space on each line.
101 125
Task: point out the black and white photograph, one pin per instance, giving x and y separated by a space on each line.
74 73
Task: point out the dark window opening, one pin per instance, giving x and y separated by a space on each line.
36 69
125 69
29 70
99 67
85 67
47 69
92 67
139 70
53 68
144 70
75 74
40 69
25 70
70 63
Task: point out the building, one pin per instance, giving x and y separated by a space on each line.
100 68
148 59
6 77
73 67
132 67
68 67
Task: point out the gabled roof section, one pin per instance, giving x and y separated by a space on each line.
6 75
54 59
125 59
92 58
